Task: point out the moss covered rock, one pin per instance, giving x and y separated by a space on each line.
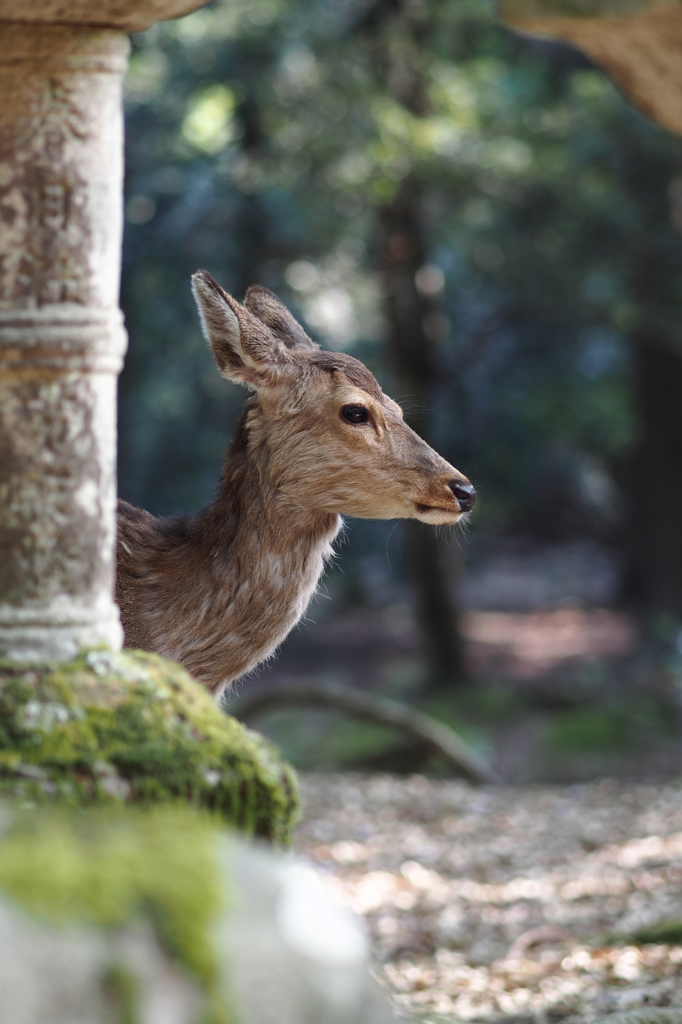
132 727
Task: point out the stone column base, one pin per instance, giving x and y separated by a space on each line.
57 632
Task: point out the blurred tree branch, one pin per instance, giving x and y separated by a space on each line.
375 709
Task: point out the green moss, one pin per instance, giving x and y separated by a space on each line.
111 865
133 727
667 933
601 729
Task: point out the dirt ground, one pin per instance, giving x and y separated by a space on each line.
514 904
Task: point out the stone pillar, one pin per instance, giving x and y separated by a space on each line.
61 331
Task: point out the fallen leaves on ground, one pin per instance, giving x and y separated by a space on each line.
503 904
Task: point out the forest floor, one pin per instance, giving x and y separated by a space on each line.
522 905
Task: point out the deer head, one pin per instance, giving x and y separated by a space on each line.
331 440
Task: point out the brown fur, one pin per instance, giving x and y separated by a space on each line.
219 591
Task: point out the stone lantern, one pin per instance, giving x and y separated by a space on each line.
61 332
85 725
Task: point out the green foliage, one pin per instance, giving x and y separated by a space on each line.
603 729
112 865
320 740
491 703
666 932
124 727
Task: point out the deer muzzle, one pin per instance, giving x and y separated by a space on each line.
465 493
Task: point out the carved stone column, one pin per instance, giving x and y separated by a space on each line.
61 332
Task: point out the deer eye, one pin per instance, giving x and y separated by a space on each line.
354 414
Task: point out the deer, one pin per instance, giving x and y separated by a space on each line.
317 440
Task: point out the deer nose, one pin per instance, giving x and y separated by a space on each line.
465 494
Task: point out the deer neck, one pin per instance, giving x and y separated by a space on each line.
250 519
260 558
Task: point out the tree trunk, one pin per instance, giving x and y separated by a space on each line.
656 484
411 351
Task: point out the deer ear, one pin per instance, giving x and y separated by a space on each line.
265 305
244 350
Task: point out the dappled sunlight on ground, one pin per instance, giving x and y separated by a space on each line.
550 985
506 903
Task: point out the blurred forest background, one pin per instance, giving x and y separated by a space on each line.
486 222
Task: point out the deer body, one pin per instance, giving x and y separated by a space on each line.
219 591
